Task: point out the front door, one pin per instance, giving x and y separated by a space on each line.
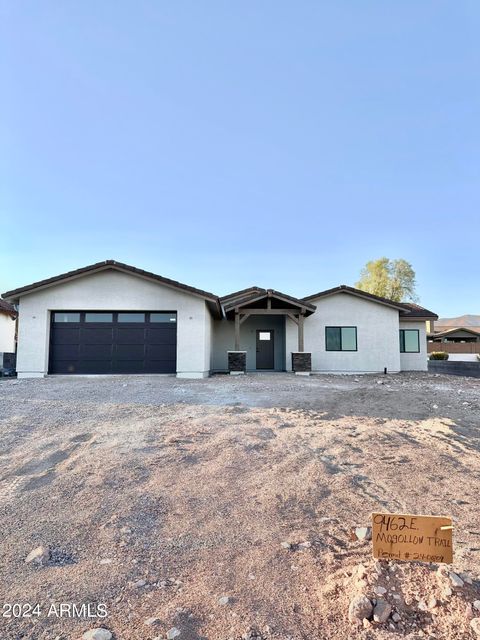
265 355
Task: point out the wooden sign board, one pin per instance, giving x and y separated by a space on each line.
414 538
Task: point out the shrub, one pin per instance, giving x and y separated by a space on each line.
439 355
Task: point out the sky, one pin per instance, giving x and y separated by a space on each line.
224 145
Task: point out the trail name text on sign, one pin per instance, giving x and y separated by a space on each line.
409 537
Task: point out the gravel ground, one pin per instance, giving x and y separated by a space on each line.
158 497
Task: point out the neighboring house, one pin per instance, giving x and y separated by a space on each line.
461 343
8 322
113 318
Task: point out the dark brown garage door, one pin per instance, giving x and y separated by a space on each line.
113 342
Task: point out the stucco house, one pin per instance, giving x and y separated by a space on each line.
110 317
8 320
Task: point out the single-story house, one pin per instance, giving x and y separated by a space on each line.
8 323
461 343
110 317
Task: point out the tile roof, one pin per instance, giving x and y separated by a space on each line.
104 265
407 309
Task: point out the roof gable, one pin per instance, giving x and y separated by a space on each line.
15 294
101 266
406 309
262 294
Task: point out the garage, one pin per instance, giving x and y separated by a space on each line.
103 342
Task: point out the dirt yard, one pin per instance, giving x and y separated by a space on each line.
170 502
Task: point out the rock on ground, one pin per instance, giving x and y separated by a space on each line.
360 608
40 555
97 634
382 611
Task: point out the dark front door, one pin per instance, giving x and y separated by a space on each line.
113 342
265 354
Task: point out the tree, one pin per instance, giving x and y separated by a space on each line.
393 279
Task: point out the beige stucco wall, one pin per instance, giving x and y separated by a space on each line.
116 291
7 334
415 361
377 335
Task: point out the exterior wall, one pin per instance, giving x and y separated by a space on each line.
415 361
224 340
116 291
7 334
377 335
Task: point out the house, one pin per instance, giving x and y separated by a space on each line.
461 343
8 320
110 317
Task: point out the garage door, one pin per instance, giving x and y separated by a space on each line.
113 342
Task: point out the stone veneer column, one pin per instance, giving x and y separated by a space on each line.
237 362
302 362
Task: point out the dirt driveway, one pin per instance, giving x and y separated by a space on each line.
159 497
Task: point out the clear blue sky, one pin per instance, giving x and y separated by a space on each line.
227 144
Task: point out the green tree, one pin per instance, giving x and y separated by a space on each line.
393 279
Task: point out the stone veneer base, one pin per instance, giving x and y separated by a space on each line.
301 361
237 361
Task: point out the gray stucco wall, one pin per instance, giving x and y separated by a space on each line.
224 340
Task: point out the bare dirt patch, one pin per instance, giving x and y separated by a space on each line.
159 497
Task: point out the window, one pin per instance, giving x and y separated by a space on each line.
409 341
341 338
163 317
264 335
99 317
131 317
61 316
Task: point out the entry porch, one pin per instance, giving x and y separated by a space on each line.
259 332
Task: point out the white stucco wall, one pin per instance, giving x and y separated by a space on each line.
377 335
117 291
7 334
415 361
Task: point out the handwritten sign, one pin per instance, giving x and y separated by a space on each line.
408 537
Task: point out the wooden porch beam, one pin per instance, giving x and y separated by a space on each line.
301 346
237 330
268 312
293 317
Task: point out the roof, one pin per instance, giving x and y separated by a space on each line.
7 309
416 311
407 309
109 264
258 294
240 294
228 302
447 331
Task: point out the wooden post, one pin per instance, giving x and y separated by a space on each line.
237 330
300 332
